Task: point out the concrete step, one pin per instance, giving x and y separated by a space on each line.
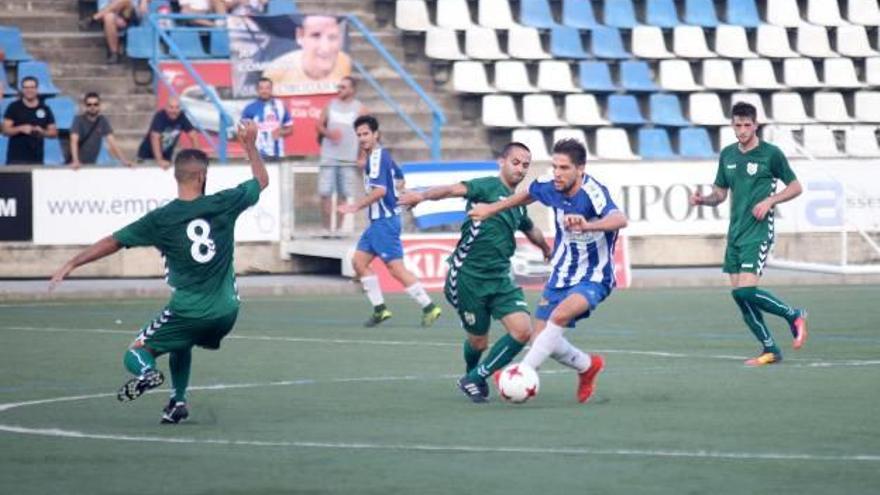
107 85
92 55
42 22
64 40
63 69
38 7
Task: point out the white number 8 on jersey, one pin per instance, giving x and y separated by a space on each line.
199 231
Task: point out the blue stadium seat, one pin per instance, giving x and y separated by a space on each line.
13 47
536 14
694 142
219 43
607 43
4 103
743 13
189 43
565 42
666 110
52 154
661 13
578 14
39 70
620 14
281 7
624 110
596 77
654 144
64 109
635 75
104 157
139 42
4 147
700 13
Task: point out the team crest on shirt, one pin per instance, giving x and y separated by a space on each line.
469 318
752 168
41 113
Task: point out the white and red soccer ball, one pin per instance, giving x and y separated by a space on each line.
518 383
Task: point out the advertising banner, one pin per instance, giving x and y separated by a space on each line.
81 207
15 206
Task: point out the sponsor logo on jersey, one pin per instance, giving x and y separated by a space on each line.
731 165
469 318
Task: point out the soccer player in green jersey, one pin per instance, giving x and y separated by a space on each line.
479 282
750 168
195 234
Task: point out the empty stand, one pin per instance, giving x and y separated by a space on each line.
39 70
482 43
624 110
565 42
783 137
665 110
540 111
788 108
852 41
694 142
648 42
864 12
495 14
595 77
500 111
829 107
635 76
613 144
608 43
189 43
12 45
511 76
812 41
654 144
866 104
442 44
583 110
525 43
742 13
783 13
470 77
578 14
619 13
676 75
555 76
64 110
453 14
820 142
411 15
690 42
861 141
700 13
773 42
872 71
661 13
536 14
705 109
800 73
719 74
840 73
759 74
731 42
52 154
534 139
824 13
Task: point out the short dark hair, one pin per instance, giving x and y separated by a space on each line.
191 155
510 146
29 78
368 120
265 79
91 94
573 148
353 81
743 109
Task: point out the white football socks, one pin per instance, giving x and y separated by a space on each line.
543 345
374 292
568 355
417 292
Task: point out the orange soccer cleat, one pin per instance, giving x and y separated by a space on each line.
587 379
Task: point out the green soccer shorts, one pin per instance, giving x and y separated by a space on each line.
169 332
479 300
748 258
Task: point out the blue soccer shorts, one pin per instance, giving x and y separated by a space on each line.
382 238
551 297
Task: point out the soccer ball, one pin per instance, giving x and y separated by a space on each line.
518 383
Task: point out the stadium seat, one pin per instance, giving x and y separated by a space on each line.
866 105
676 75
534 139
624 110
654 144
219 45
718 74
4 102
872 71
705 109
469 76
824 13
756 101
783 13
608 43
800 73
536 14
4 148
280 7
759 74
565 42
525 43
731 42
689 42
619 14
188 43
39 70
783 137
829 108
852 41
743 13
52 154
453 14
412 16
442 44
864 12
612 143
812 41
694 142
665 110
495 14
840 73
139 42
726 137
105 159
12 45
583 110
540 111
500 111
635 76
561 133
511 76
64 110
773 42
578 14
819 141
648 42
555 76
700 13
595 77
661 13
482 43
861 141
788 108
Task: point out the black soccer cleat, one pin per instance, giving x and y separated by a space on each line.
136 387
475 391
377 317
174 412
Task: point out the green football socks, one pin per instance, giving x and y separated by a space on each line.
773 305
137 360
180 363
754 319
499 356
471 356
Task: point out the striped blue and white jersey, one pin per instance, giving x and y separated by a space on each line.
381 171
269 115
579 256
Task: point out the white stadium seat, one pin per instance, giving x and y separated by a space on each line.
676 75
840 73
555 76
829 107
731 42
412 15
511 76
864 12
442 44
824 13
719 74
788 108
470 77
872 71
759 74
852 41
583 109
540 111
800 73
705 109
819 141
726 137
453 14
756 101
783 137
525 43
495 14
866 105
812 41
482 43
612 143
783 13
500 111
571 133
690 42
861 141
773 42
534 139
648 42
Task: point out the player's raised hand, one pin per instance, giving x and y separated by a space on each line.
761 209
410 198
480 212
575 223
247 132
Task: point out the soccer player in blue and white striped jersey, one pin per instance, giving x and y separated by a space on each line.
587 221
382 237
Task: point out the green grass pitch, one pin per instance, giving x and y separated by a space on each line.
302 399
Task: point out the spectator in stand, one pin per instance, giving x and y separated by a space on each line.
28 121
164 133
87 132
115 16
246 7
203 7
273 121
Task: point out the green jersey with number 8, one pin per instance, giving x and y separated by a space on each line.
197 240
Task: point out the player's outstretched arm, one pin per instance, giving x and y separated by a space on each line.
792 190
375 195
412 198
483 211
247 134
536 237
715 198
96 251
614 220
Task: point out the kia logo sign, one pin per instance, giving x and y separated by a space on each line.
428 262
